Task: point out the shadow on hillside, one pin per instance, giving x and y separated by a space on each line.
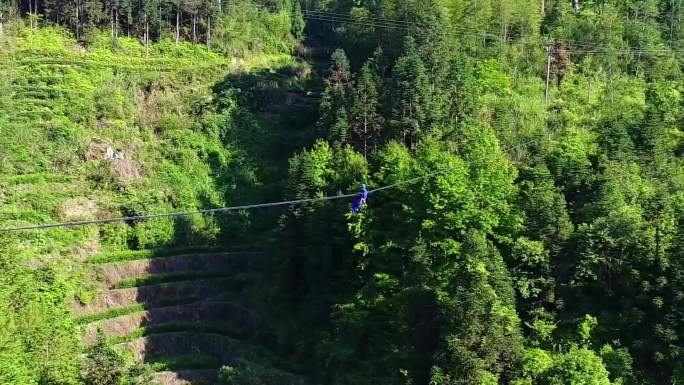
191 296
281 105
275 117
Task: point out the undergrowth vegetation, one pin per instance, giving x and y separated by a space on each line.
133 255
168 278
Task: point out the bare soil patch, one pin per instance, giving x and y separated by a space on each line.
80 208
97 148
126 169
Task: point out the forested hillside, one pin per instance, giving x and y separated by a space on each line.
525 159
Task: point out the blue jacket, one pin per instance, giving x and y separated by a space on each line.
361 199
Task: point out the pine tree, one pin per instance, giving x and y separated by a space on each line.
209 11
411 97
92 15
337 95
366 119
113 10
8 10
192 8
297 20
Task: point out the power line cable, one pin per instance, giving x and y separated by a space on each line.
586 48
407 23
236 208
387 23
356 22
376 18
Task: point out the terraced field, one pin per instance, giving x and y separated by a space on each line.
184 314
91 134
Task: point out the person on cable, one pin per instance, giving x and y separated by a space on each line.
360 200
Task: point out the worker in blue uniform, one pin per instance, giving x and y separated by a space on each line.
360 200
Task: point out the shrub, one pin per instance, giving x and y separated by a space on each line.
102 364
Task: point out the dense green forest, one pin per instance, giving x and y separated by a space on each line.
531 231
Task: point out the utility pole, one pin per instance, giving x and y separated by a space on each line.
548 71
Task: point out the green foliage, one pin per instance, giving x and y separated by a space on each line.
110 313
36 322
578 366
245 28
333 119
535 362
133 255
619 364
531 214
139 374
102 365
586 327
412 107
168 278
365 116
544 234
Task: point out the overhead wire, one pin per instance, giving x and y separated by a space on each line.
574 46
234 208
379 22
349 16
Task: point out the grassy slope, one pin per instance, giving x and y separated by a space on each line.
63 106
